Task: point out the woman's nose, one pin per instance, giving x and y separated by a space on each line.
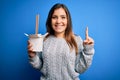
59 20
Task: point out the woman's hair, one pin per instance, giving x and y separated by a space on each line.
69 36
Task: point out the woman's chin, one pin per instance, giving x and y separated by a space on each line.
59 31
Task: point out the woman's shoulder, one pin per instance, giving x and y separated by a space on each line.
47 36
79 41
77 38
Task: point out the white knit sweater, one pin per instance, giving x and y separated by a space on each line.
57 62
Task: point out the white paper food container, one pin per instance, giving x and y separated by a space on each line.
36 41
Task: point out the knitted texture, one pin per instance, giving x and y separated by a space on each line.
58 62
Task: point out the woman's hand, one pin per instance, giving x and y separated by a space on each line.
88 40
31 53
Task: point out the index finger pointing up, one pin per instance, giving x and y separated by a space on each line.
86 33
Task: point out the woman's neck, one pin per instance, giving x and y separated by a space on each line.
59 35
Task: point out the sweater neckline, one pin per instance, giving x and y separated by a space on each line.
57 37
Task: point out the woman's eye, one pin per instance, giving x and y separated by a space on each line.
54 17
63 17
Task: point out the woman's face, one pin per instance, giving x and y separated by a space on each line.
59 21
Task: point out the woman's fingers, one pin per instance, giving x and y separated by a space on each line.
89 41
30 49
86 33
31 53
29 46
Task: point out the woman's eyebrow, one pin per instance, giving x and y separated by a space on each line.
63 15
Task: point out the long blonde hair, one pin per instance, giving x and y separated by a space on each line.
69 36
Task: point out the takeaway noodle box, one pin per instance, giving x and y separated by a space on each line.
36 41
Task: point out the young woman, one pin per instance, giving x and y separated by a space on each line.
64 54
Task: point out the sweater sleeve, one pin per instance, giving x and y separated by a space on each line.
36 61
84 56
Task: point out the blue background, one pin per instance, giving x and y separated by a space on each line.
18 17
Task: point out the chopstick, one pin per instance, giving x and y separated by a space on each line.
37 24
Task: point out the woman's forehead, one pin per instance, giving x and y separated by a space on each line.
59 11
